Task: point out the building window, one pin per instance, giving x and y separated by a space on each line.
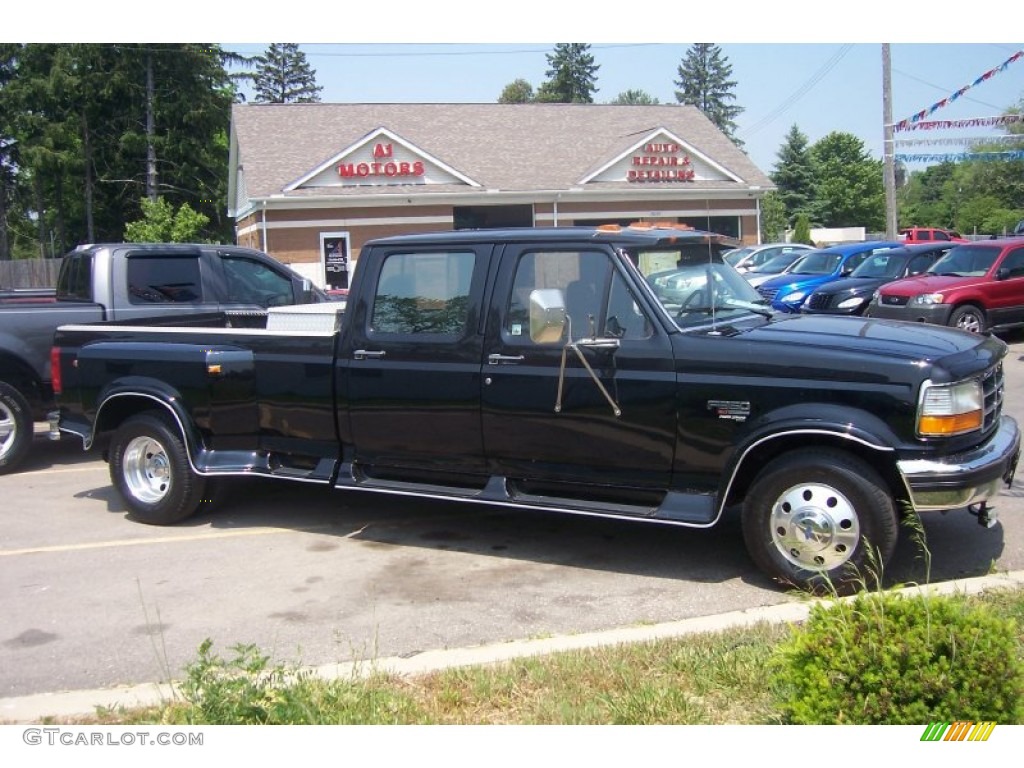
492 216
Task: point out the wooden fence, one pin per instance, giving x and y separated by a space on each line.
29 273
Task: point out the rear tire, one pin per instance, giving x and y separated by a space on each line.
821 520
149 467
16 428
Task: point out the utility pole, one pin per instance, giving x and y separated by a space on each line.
889 146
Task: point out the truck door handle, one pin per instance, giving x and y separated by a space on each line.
504 359
368 354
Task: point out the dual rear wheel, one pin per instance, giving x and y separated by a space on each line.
149 467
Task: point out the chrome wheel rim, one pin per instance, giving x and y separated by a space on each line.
815 527
969 322
8 430
146 469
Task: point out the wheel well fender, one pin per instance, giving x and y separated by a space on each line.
856 432
118 406
969 302
20 375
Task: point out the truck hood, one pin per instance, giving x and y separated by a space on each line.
860 346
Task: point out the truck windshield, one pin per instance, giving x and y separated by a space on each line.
699 287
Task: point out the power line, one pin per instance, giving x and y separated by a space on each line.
827 67
945 90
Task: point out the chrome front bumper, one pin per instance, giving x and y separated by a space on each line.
967 478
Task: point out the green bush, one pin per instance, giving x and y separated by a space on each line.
886 658
802 230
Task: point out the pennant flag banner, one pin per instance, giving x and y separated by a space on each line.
903 124
971 122
973 141
953 157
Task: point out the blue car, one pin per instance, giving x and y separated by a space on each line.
788 291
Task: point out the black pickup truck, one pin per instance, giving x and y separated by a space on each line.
626 372
117 281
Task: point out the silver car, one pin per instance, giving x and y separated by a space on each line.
751 256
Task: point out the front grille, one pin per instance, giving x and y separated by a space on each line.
893 301
768 293
819 301
992 387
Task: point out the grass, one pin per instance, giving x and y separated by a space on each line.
720 678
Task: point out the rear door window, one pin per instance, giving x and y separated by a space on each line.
162 279
424 293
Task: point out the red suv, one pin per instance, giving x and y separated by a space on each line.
977 287
930 235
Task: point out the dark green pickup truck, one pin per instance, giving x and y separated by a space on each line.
621 372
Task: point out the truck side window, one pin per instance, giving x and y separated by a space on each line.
250 282
75 279
597 301
625 319
423 293
164 280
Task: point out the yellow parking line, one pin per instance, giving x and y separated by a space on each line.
162 540
63 470
217 535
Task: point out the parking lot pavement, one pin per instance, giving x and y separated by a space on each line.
69 704
94 601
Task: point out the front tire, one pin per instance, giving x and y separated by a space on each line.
969 318
149 467
16 428
820 520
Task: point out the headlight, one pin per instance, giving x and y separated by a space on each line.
927 299
950 409
854 301
791 298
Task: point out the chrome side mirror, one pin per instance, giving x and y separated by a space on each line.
547 315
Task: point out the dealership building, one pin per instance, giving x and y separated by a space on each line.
311 183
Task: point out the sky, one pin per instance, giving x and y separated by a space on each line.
791 64
820 88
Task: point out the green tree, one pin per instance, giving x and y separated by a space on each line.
794 174
635 96
519 91
925 200
848 183
572 75
704 82
162 224
97 127
283 76
773 218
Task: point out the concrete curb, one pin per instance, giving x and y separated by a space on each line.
37 707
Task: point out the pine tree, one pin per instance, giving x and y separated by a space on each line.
283 76
704 83
794 174
571 75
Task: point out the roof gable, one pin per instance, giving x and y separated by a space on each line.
380 158
660 156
